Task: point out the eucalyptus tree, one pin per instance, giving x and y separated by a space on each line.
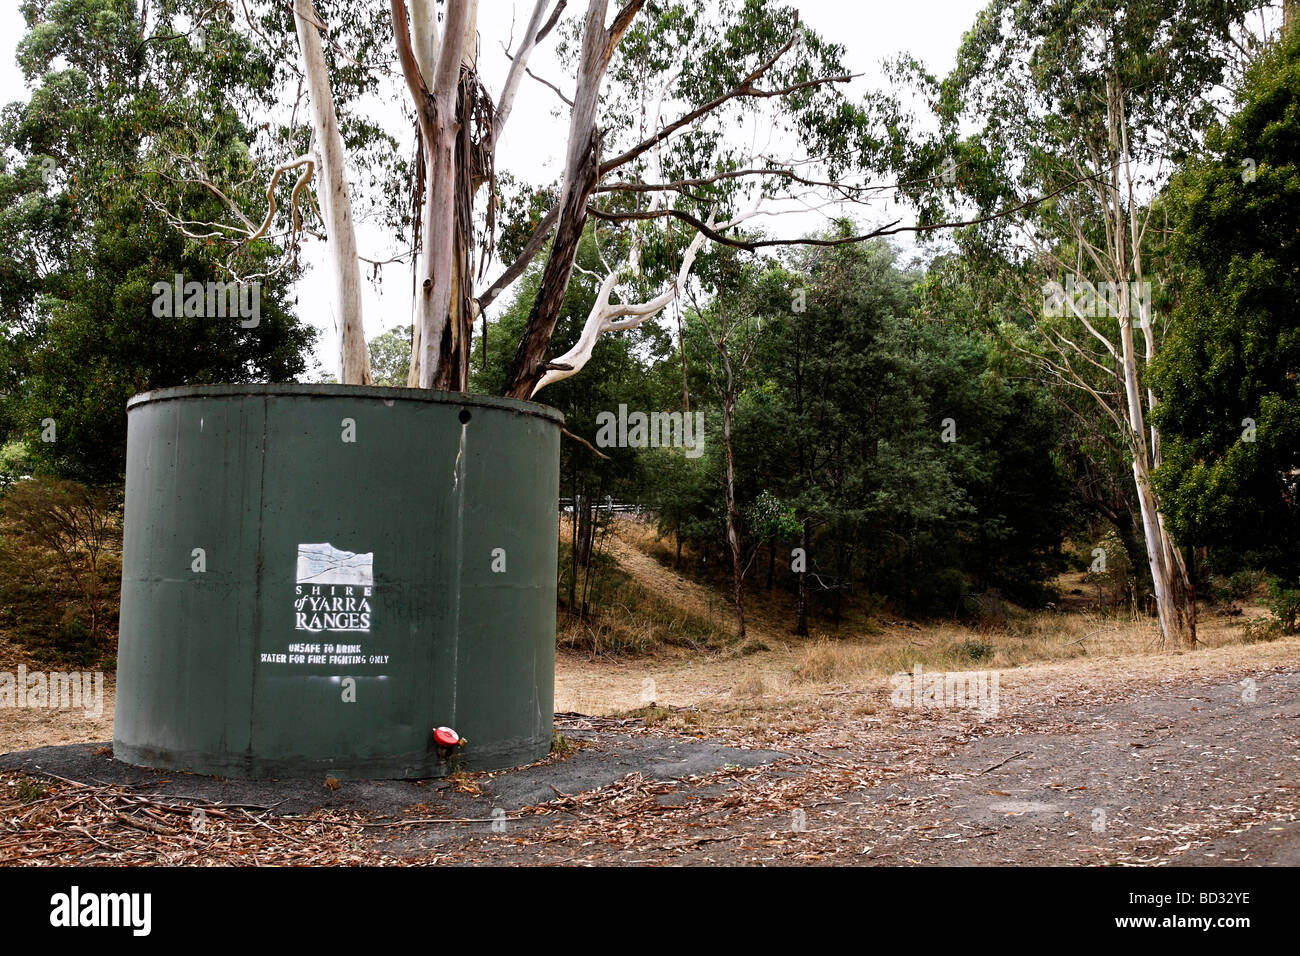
89 223
698 72
655 93
1090 105
616 375
732 331
1230 374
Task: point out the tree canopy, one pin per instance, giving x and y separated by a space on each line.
1229 377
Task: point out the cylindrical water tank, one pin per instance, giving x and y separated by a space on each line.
316 577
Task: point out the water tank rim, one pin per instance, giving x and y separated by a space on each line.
382 393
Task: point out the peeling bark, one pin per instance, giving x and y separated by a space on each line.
581 173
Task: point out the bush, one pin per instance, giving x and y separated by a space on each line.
15 463
940 592
972 650
73 643
1284 602
987 610
1237 587
1112 570
60 567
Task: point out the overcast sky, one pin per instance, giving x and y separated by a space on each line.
533 144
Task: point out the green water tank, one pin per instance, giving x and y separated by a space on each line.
317 577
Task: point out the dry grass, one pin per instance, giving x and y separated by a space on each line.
752 686
641 534
774 674
834 662
631 620
637 607
1027 638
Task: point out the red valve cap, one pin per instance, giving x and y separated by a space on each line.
446 737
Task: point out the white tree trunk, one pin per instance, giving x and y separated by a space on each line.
519 64
434 84
1169 581
336 203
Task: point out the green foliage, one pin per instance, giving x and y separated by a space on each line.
1047 100
698 52
839 426
390 357
972 651
616 374
15 463
29 790
1112 568
1237 586
88 191
1026 99
685 495
1284 602
1229 376
769 517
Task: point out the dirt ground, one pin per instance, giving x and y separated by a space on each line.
1182 760
1102 749
27 728
1175 759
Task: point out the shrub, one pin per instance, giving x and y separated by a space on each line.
987 610
60 566
972 650
1237 586
15 463
1112 569
1284 602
